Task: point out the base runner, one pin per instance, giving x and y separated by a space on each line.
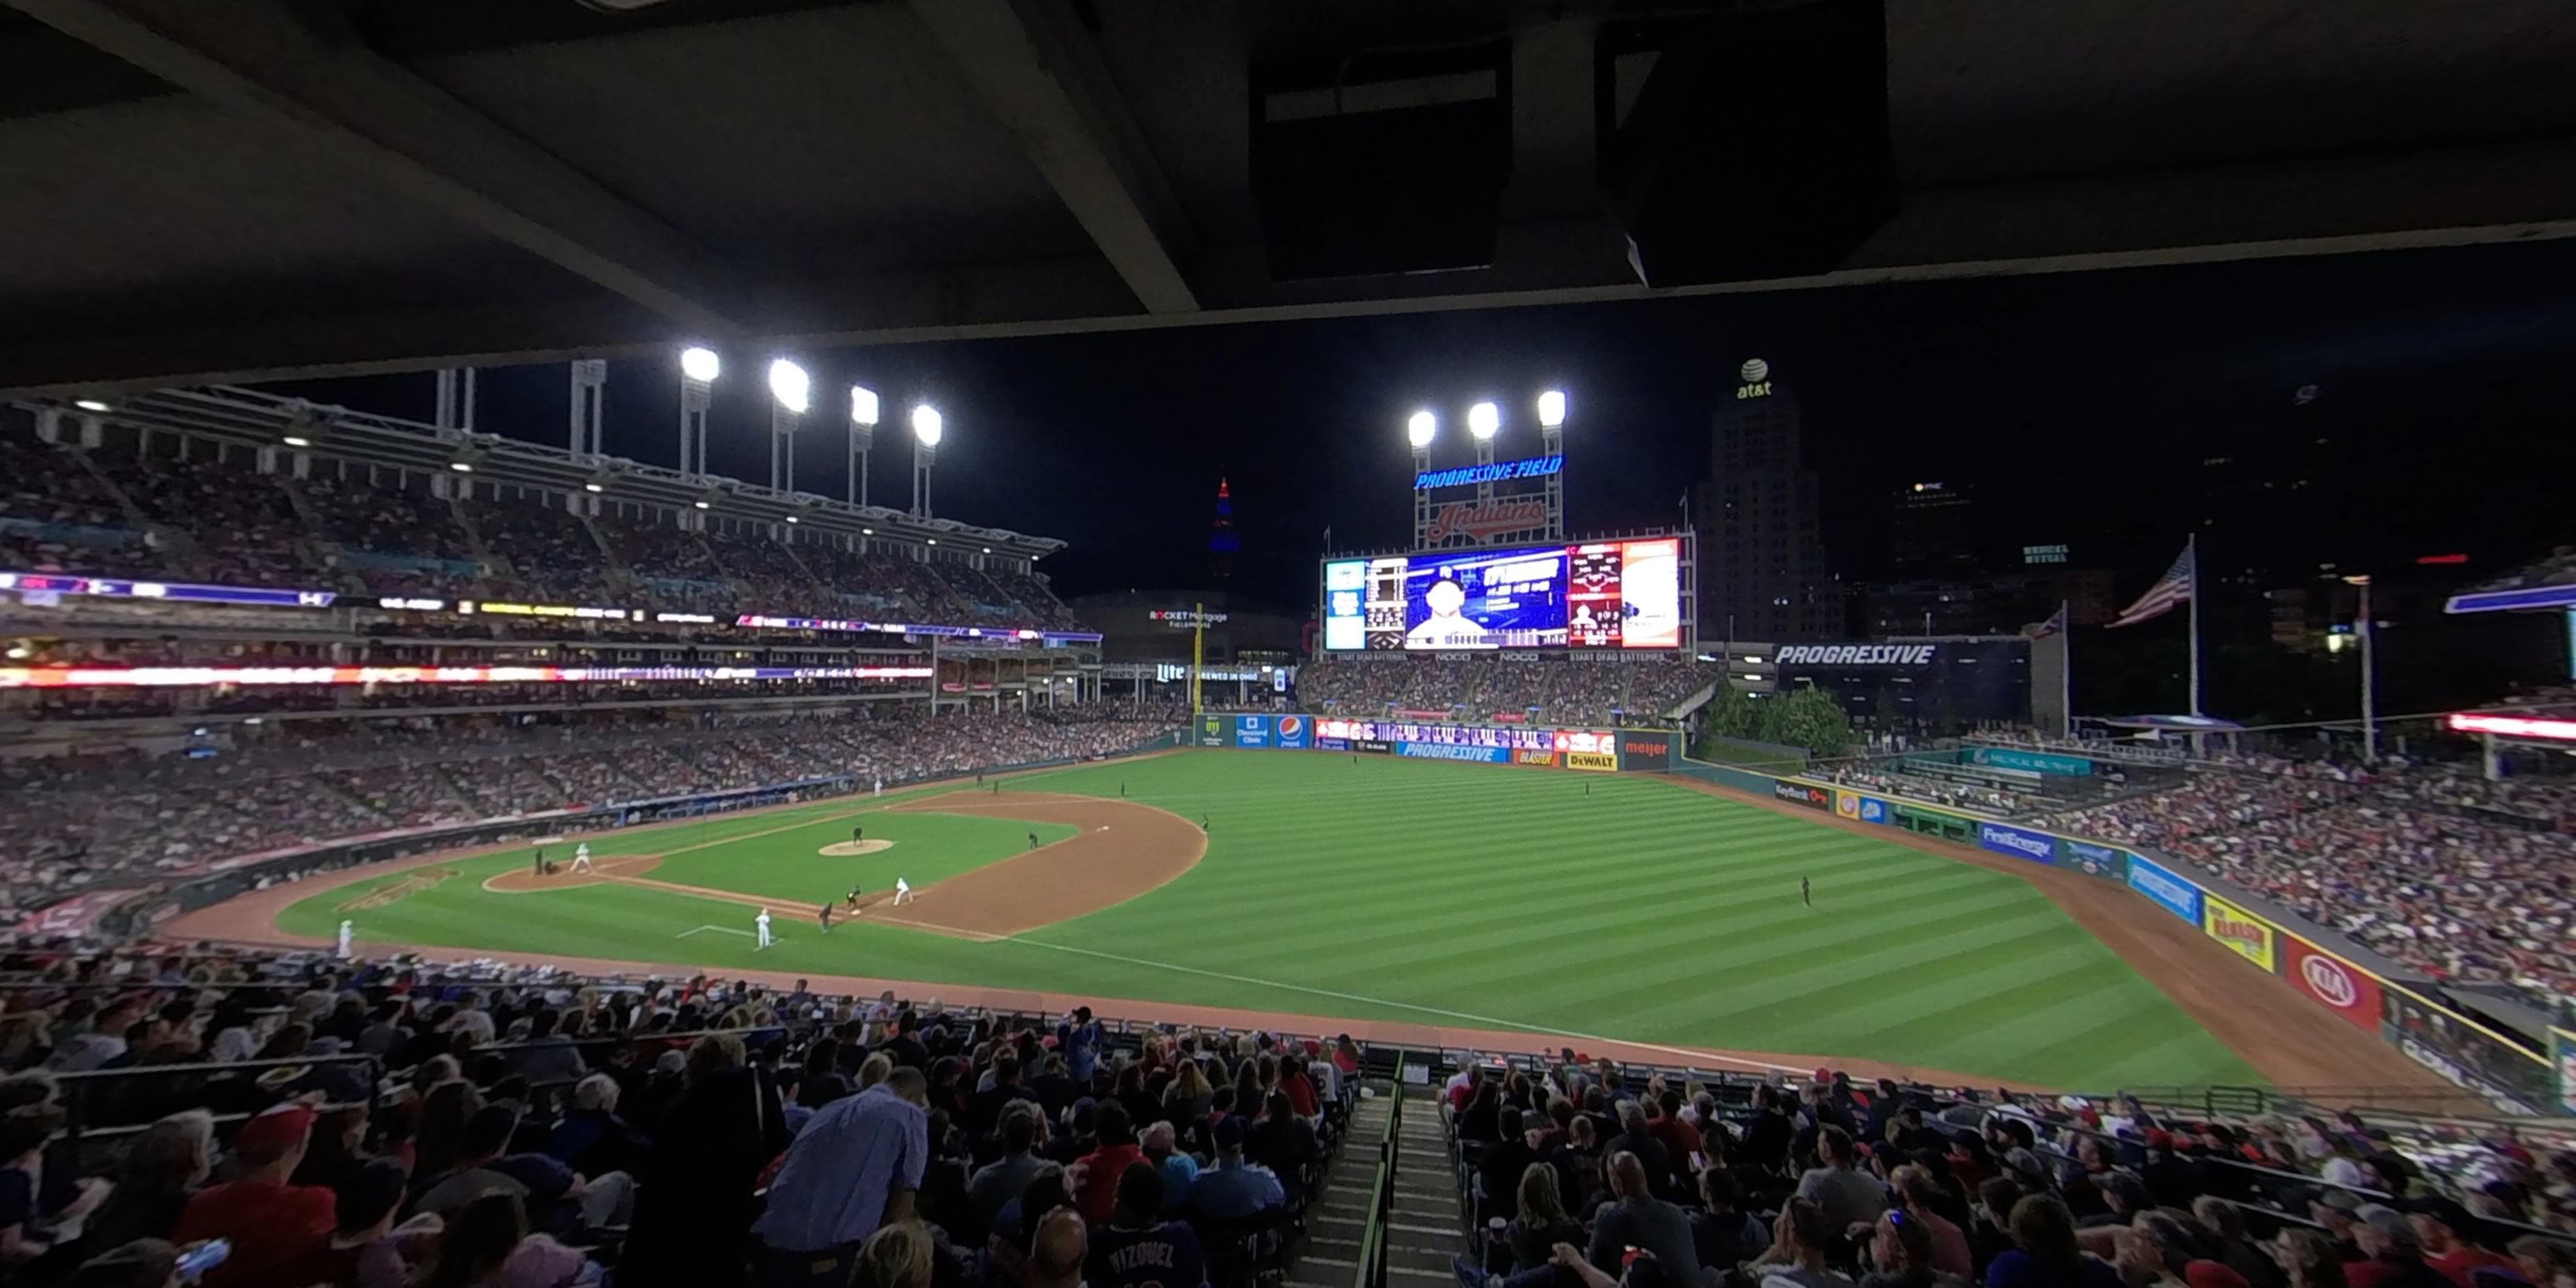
581 857
902 890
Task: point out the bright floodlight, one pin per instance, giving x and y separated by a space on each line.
1551 409
700 365
1418 431
926 424
1484 420
863 405
790 384
92 404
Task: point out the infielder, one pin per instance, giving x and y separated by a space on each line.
581 857
344 938
826 916
902 891
762 922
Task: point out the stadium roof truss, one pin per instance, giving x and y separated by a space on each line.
204 192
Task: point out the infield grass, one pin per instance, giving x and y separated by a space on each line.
1464 895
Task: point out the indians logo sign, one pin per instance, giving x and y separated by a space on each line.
1487 520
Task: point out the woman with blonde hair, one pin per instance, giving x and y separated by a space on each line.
160 1168
875 1069
1186 1100
1542 1222
896 1256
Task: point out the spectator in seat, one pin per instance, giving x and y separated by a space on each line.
1138 1249
1801 1241
1106 1162
1501 1167
1990 1234
896 1256
2438 1223
1057 1251
487 1245
2044 1252
1848 1195
998 1182
1634 1217
2123 1197
592 1139
1539 1221
1233 1189
695 1205
857 1166
984 1111
139 1263
1180 1171
552 1196
1901 1255
362 1251
1282 1141
1635 1138
2392 1255
1919 1197
159 1171
2226 1241
2308 1259
272 1225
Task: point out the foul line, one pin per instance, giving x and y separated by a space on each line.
721 930
1485 1021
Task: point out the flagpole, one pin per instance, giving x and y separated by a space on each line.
2191 547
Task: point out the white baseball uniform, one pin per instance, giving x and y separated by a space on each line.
581 857
880 787
902 890
762 921
344 938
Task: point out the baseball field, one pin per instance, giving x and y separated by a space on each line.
1594 907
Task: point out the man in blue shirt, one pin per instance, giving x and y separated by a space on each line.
1232 1189
1081 1042
855 1167
1138 1249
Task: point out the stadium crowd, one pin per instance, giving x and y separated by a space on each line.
1582 1175
2430 865
375 1125
1477 689
82 822
211 516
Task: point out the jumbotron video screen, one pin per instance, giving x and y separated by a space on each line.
1603 594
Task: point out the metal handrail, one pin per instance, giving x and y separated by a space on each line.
1371 1270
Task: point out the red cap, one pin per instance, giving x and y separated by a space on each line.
2211 1274
276 1131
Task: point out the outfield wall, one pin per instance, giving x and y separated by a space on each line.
1595 750
2366 989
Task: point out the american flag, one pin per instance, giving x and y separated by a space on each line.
2055 625
2170 591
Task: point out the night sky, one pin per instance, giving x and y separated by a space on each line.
2067 401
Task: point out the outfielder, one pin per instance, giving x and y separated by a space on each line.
762 923
344 938
902 891
581 857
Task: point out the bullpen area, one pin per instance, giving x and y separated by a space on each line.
1597 907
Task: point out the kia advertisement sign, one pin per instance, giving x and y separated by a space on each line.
1800 793
2343 988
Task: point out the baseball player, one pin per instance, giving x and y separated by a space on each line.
880 788
344 938
826 917
854 898
762 923
1806 893
1033 840
858 834
581 857
902 890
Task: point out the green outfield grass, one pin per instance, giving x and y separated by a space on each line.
1423 892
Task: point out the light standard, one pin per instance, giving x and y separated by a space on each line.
863 434
1551 441
1484 420
698 370
926 431
589 405
1419 431
2369 685
789 384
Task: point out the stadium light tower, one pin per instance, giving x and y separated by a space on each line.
863 435
1484 420
793 390
927 428
698 370
1551 441
589 406
1419 431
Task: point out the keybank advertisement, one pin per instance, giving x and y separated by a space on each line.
1447 751
2021 843
2170 892
2036 762
1252 731
1291 732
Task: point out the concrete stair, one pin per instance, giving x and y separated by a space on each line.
1423 1230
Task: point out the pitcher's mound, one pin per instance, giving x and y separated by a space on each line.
845 849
